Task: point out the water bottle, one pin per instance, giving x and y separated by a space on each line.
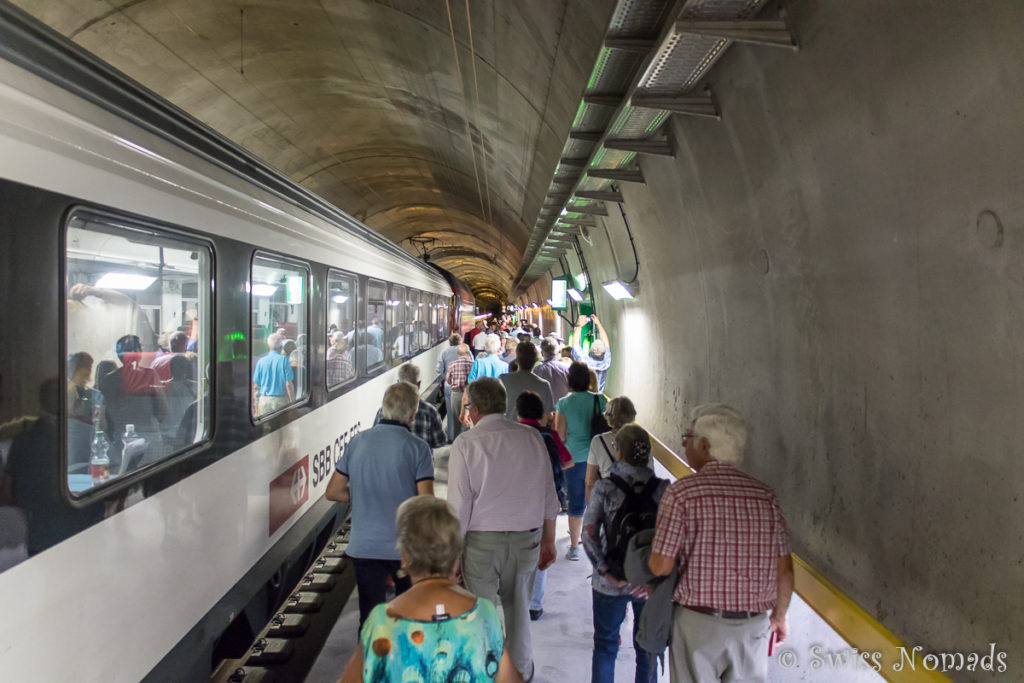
99 460
129 434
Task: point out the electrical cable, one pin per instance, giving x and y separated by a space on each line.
636 258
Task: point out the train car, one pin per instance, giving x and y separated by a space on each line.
190 339
463 308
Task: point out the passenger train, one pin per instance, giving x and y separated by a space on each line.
189 341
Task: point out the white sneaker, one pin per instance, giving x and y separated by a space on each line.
573 554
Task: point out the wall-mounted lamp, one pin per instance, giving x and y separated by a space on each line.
575 294
617 290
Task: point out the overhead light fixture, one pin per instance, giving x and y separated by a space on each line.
575 294
617 290
264 290
550 302
131 281
563 212
339 299
535 305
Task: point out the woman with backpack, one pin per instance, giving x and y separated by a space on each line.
619 413
578 417
621 505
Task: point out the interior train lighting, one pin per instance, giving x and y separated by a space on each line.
617 290
339 299
575 294
132 281
264 290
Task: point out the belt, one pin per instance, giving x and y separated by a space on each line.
723 613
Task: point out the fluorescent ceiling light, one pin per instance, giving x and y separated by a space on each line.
617 290
339 299
125 281
264 290
535 305
575 294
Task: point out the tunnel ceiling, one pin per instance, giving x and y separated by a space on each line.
439 121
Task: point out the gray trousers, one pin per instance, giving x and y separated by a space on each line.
454 425
502 564
706 648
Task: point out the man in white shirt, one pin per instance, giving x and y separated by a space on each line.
500 486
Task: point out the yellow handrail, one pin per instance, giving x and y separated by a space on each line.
846 617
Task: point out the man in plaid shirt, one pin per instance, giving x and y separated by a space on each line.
427 423
457 377
727 533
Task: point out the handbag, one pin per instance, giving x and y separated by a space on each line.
598 425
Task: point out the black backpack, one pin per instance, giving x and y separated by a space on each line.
639 511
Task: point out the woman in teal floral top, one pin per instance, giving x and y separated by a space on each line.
435 631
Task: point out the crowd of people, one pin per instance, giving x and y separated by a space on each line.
703 563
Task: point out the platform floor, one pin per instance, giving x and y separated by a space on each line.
563 636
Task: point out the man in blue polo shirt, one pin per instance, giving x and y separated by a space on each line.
272 379
490 365
380 469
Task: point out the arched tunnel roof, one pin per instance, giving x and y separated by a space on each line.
436 121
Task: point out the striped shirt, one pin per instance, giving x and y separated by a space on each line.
727 531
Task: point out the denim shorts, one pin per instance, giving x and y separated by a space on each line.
576 483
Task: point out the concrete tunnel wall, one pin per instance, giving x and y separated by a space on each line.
842 258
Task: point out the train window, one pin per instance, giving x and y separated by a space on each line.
436 319
280 342
371 339
446 315
341 328
415 321
138 343
396 325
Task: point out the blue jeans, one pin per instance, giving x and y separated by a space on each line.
609 612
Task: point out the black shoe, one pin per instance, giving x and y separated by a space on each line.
535 614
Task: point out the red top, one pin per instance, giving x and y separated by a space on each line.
564 456
727 531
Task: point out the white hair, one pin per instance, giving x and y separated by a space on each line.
493 344
409 373
724 428
401 401
598 348
548 348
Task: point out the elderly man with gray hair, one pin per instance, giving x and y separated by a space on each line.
599 357
446 358
501 488
378 470
556 374
427 423
727 533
